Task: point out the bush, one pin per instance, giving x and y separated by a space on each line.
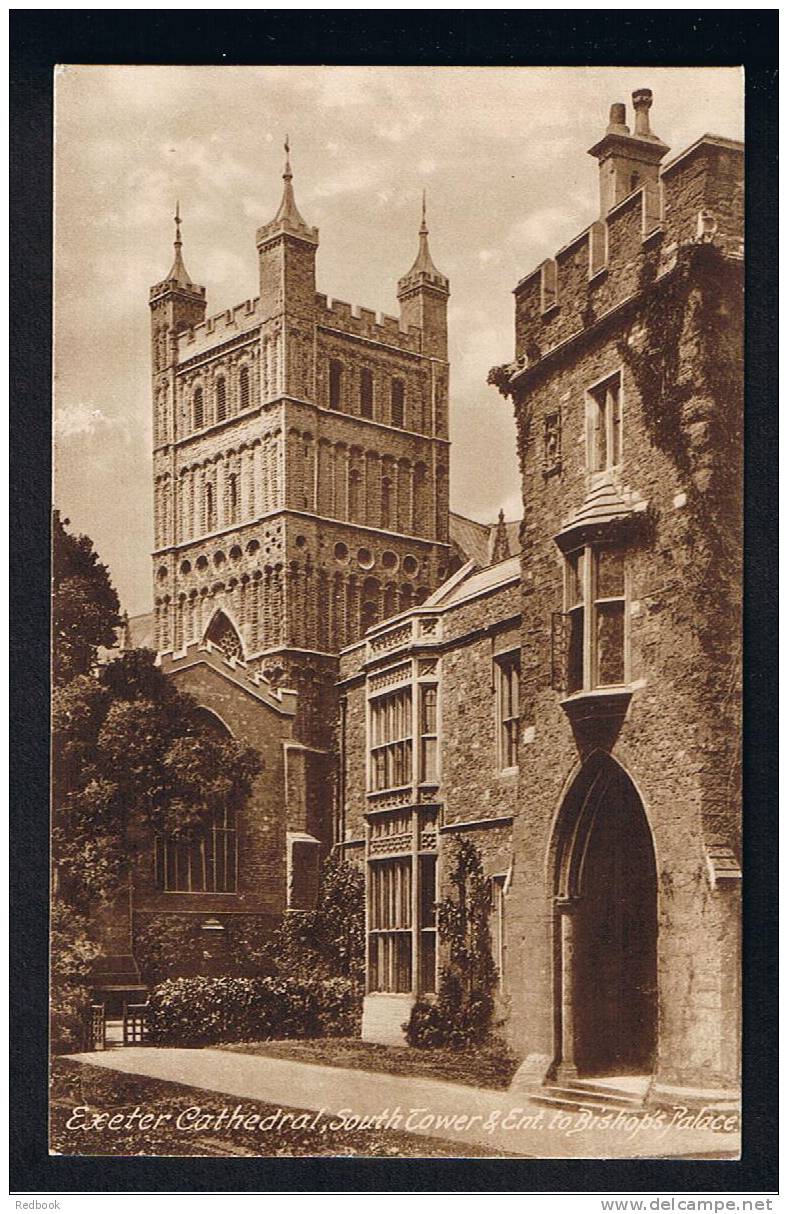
204 1011
173 946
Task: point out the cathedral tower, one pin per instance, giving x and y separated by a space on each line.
301 459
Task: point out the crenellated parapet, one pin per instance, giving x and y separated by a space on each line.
697 198
366 323
243 319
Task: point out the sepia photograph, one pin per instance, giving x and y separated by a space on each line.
397 571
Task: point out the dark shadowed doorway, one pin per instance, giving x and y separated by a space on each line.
606 927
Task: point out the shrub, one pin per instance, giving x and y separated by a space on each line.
461 1015
204 1011
173 946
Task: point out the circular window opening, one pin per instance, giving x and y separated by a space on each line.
202 562
300 541
162 573
340 552
365 558
235 553
410 564
186 567
389 560
219 559
252 547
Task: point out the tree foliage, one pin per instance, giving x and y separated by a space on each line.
132 758
85 606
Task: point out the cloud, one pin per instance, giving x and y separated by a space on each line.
81 420
504 154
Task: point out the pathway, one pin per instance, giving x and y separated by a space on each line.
500 1121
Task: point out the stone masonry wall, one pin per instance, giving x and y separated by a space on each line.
679 739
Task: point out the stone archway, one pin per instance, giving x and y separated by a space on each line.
605 897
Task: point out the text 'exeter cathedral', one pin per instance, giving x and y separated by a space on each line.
563 692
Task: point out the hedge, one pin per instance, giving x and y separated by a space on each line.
203 1010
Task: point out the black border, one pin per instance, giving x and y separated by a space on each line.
41 39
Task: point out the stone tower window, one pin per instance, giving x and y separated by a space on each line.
243 387
210 509
198 412
335 384
221 400
385 503
603 432
232 497
354 495
224 636
365 392
397 402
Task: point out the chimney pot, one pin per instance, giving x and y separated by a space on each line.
642 100
618 114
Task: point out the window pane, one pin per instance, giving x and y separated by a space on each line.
574 588
609 573
574 672
427 898
600 435
427 978
610 643
429 697
614 411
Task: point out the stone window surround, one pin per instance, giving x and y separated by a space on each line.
613 442
503 660
403 840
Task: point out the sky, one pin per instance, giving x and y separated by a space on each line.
501 153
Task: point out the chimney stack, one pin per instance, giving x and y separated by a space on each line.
627 161
641 101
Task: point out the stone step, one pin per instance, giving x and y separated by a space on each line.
602 1096
574 1102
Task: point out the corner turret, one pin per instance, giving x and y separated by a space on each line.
423 295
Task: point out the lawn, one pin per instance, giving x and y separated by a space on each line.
124 1098
488 1066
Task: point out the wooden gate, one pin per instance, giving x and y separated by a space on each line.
135 1023
96 1027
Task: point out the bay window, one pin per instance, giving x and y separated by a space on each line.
594 606
391 742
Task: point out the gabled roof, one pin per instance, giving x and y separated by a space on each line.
475 541
470 581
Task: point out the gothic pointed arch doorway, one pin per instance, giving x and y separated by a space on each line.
605 904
